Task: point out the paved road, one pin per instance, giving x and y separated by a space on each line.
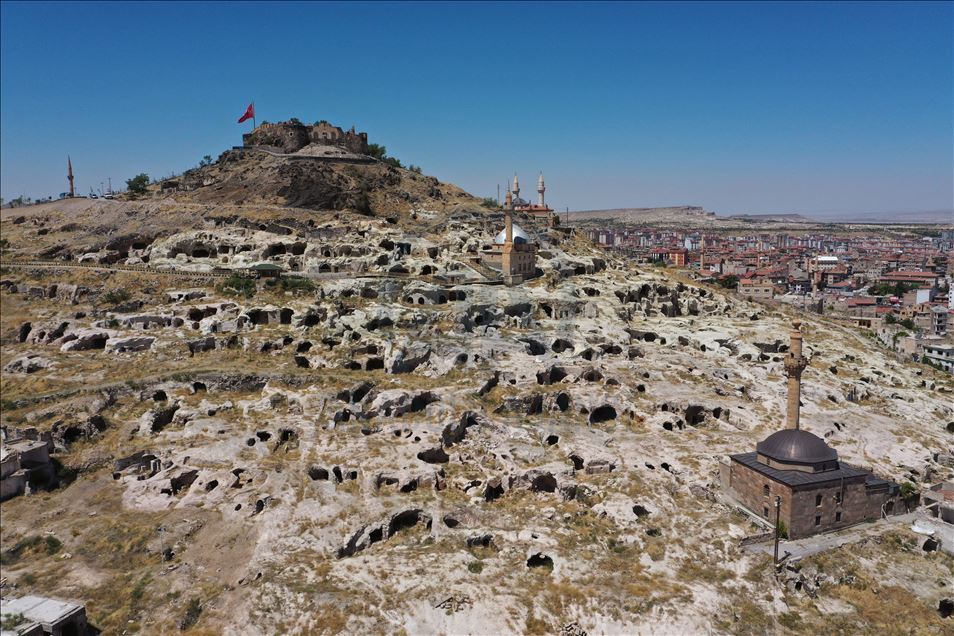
819 543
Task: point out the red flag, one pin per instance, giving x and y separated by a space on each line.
249 113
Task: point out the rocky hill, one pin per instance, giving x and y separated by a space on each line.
255 176
384 441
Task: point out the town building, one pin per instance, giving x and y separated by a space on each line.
757 289
25 463
939 501
814 490
41 615
940 355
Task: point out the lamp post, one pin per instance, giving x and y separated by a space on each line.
778 507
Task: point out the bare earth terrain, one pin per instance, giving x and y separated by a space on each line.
389 444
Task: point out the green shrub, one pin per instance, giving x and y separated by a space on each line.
11 556
475 567
729 282
296 283
53 545
237 286
11 621
116 296
193 611
489 202
782 530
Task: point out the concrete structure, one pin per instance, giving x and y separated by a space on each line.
939 501
44 615
25 463
940 355
757 289
815 490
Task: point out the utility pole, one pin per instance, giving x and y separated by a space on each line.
778 506
498 195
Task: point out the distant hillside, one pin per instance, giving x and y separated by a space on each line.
787 218
643 215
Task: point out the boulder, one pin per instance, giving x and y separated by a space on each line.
27 364
86 339
132 343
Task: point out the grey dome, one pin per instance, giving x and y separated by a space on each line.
519 236
796 446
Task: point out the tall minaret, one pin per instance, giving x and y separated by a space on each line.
69 173
508 201
541 188
516 186
795 363
508 226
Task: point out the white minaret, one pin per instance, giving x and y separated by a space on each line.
541 188
516 186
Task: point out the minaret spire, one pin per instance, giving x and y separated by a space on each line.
541 188
516 186
508 224
69 173
795 363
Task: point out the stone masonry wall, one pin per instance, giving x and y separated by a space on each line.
799 509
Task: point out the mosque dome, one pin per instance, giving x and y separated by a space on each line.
519 236
795 446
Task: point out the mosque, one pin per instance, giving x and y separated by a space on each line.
538 210
800 474
514 253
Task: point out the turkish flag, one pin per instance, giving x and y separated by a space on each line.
249 113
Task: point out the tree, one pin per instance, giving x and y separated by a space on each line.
377 151
730 281
137 185
206 161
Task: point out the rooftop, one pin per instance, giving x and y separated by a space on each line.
796 478
792 445
47 611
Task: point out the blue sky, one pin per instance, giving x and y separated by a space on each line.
741 108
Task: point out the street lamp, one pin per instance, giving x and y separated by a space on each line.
778 507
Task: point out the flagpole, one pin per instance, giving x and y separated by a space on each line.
254 125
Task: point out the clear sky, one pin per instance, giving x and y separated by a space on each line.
741 108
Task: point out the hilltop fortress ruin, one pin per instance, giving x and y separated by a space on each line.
292 136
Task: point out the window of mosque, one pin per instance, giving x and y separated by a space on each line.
818 520
765 490
818 500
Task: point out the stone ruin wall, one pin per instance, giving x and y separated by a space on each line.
290 137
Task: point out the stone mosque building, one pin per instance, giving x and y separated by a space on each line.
513 253
538 210
817 491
